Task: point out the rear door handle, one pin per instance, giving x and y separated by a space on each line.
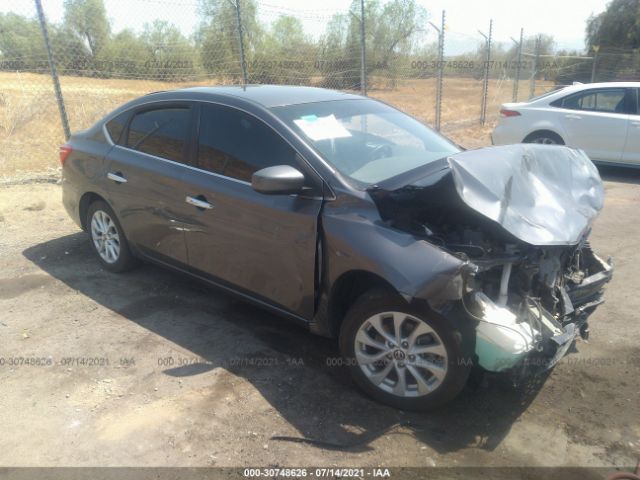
635 124
573 117
198 202
116 177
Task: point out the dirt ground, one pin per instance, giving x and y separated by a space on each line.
149 368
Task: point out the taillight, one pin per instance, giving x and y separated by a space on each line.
65 150
509 113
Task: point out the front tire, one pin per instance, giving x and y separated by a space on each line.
402 355
108 239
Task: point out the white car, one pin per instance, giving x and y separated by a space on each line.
603 119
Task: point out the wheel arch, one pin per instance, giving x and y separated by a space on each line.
85 201
346 290
361 253
545 131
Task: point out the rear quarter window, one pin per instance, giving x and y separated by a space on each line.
115 127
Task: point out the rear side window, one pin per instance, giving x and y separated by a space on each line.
116 126
544 95
617 100
161 132
236 144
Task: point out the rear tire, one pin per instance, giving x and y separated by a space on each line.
108 239
544 137
402 355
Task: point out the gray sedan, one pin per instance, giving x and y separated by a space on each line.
355 220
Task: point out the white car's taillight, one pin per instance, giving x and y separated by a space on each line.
509 113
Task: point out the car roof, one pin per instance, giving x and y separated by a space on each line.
270 96
610 84
584 86
560 92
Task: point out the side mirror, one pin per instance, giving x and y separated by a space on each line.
278 180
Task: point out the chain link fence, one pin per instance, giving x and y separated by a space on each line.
102 53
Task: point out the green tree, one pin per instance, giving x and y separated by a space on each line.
71 54
392 35
287 33
618 27
171 56
393 32
339 53
126 54
217 35
21 44
546 46
88 20
286 54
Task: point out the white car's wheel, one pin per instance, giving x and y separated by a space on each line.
544 138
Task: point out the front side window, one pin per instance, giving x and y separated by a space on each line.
160 132
608 101
235 144
365 140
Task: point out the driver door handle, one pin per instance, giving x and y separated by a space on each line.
116 177
198 202
573 116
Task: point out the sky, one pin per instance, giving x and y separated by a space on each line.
565 20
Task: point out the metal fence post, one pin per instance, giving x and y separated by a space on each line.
485 84
594 62
536 58
54 72
516 80
243 64
363 52
440 68
440 84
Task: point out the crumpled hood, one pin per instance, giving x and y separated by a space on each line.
541 194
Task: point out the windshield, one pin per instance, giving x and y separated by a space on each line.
365 140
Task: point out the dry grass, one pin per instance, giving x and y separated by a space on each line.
30 129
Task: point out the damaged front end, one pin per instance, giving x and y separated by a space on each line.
533 302
520 216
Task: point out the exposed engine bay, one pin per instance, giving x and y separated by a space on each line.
523 230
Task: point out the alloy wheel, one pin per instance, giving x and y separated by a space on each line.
401 354
104 234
